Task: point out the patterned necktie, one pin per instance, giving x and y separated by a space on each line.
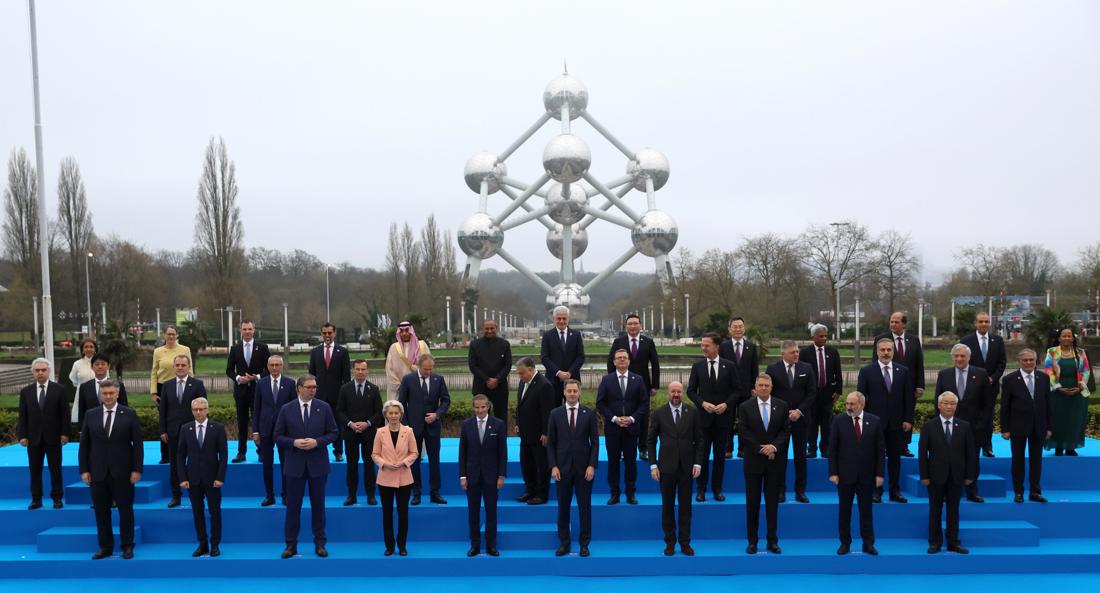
821 367
737 351
201 436
886 377
859 429
633 348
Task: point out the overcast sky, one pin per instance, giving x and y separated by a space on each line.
955 121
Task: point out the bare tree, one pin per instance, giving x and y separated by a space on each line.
73 220
1088 262
218 231
985 265
764 257
718 277
841 253
896 267
1029 269
409 255
432 264
21 220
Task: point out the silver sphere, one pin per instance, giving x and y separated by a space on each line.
484 165
648 163
566 202
655 234
554 241
565 89
566 158
478 236
570 296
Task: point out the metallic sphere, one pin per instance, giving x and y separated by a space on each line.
649 163
479 236
655 234
566 202
554 241
484 165
566 158
565 89
570 296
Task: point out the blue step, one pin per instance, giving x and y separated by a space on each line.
77 539
998 533
989 486
144 491
527 535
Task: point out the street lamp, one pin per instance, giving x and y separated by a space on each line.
328 309
448 320
286 334
88 290
687 314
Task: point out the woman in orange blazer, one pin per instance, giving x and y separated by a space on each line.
394 453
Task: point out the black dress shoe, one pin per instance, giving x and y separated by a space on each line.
843 549
562 550
199 551
906 453
1018 498
215 551
492 552
644 455
339 457
782 497
1037 498
631 499
57 504
163 460
614 499
876 497
289 551
975 498
473 551
988 453
372 501
127 553
1057 452
719 497
415 500
584 552
350 501
958 549
750 549
402 552
1071 452
811 455
35 504
870 550
536 500
267 501
239 458
701 497
320 551
687 550
437 499
101 554
729 454
801 497
933 549
389 552
526 496
774 549
897 497
670 549
175 502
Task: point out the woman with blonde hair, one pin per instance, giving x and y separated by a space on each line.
394 453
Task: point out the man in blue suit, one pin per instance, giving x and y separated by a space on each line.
793 382
482 467
987 352
562 352
272 393
203 454
305 428
623 400
888 387
175 411
572 448
331 364
426 401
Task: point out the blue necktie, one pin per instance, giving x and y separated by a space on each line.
765 414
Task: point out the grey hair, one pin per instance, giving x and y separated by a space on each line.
1026 351
393 404
785 344
818 328
561 309
201 400
41 360
423 358
526 362
862 398
108 383
958 347
946 394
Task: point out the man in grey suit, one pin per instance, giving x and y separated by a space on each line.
572 448
679 461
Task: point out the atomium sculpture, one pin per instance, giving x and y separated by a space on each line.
567 188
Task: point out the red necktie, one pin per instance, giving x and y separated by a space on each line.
859 430
328 354
901 349
821 367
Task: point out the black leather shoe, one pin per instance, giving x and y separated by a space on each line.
774 549
415 500
57 504
403 552
526 496
584 552
1037 498
536 500
719 497
100 555
289 551
975 498
175 502
267 501
843 550
897 497
215 551
750 549
782 497
870 550
492 552
437 499
320 551
372 501
389 552
614 499
933 549
811 454
631 499
163 460
1071 452
701 497
801 497
906 453
199 551
877 497
1018 498
282 499
670 550
339 457
729 454
561 551
988 453
958 549
35 504
644 455
239 458
350 501
687 550
473 551
127 553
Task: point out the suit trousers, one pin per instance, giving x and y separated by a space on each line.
163 445
36 452
821 421
570 484
715 438
478 489
1032 443
402 496
499 399
861 492
360 442
676 490
770 484
173 465
295 490
799 433
268 447
622 448
896 442
984 440
534 466
338 444
120 491
938 494
208 493
243 402
426 444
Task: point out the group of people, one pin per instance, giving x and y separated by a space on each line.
761 416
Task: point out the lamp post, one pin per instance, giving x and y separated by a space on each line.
88 290
158 322
328 309
286 332
34 307
687 314
462 317
448 320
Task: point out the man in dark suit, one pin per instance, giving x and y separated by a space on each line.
973 395
623 401
829 380
535 399
765 429
482 467
1025 423
888 387
793 382
273 391
490 360
987 351
713 388
359 412
908 353
643 361
87 395
111 456
175 411
746 359
331 364
246 362
426 402
203 453
43 428
573 448
948 461
679 461
562 352
856 451
305 428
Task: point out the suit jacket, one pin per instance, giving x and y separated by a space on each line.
201 465
555 359
646 363
611 401
483 460
682 445
834 374
702 388
996 361
914 356
754 434
895 406
87 398
572 451
175 413
114 456
1020 413
749 366
533 409
236 365
404 453
417 403
299 463
940 461
975 402
266 406
332 377
43 425
351 407
857 460
802 393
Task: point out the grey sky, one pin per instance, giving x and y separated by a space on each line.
926 117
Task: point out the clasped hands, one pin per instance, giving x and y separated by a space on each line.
305 444
714 408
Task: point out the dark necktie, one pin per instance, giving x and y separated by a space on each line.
960 382
737 351
179 391
42 397
110 423
901 349
359 389
859 429
790 376
622 385
572 419
201 436
562 334
821 367
947 430
886 377
676 416
424 385
633 348
274 389
713 372
305 413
